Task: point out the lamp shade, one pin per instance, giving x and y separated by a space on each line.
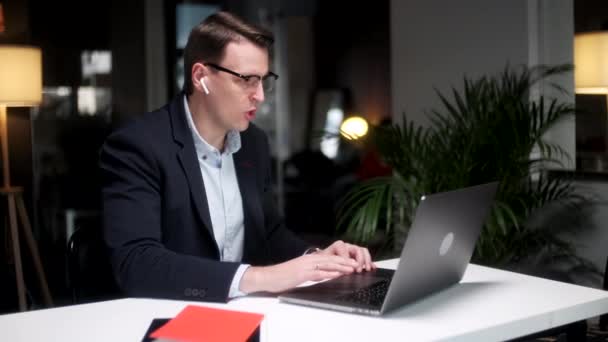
591 62
20 76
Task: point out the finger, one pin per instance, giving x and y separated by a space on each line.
369 265
358 255
336 263
346 261
339 266
341 249
336 248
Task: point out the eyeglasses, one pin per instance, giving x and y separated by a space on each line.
251 81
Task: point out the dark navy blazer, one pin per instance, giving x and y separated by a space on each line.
156 218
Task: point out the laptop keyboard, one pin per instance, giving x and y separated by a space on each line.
372 295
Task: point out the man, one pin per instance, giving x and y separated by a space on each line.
188 209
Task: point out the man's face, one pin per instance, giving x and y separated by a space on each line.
232 102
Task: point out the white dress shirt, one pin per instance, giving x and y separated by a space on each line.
223 197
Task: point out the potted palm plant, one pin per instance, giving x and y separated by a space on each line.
488 131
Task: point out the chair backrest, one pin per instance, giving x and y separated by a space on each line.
89 270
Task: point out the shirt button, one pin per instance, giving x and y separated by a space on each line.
205 157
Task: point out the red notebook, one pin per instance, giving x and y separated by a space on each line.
199 323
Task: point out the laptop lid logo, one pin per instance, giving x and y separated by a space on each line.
446 244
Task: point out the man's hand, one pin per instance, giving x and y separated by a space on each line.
284 276
337 259
346 250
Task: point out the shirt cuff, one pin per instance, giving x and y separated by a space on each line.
236 282
312 250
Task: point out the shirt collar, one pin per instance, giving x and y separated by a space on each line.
232 144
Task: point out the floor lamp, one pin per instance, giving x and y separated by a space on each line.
20 85
591 78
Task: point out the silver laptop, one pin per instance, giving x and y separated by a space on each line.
435 255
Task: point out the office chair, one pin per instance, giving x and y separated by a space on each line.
90 274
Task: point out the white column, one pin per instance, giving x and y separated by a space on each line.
555 45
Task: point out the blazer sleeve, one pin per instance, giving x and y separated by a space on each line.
283 244
132 216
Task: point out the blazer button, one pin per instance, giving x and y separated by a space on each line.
188 292
194 292
202 293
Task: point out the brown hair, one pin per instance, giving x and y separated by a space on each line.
207 41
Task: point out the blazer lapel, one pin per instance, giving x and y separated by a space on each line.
252 209
188 160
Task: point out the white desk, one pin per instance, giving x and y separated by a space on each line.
488 305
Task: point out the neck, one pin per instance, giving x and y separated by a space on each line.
206 127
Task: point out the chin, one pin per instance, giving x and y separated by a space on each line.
242 126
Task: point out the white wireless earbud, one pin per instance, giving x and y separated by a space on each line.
204 86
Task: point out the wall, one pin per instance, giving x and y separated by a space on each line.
128 45
157 85
353 53
300 67
435 43
139 58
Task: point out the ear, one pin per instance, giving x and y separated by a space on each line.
199 71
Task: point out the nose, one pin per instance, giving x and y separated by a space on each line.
258 96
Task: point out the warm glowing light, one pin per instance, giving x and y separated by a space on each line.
20 76
354 128
591 63
592 91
